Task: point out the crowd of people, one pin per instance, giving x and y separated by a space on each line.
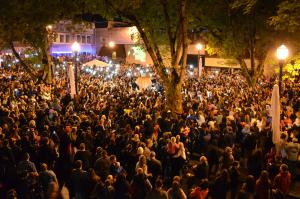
115 141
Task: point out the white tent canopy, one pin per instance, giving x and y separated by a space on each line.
97 63
143 82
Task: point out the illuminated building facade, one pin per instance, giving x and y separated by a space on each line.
65 33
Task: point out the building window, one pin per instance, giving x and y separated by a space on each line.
67 38
83 39
61 38
88 39
78 39
56 38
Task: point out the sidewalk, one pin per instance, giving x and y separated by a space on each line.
294 190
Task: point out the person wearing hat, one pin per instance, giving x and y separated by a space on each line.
292 150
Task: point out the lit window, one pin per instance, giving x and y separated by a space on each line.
62 38
83 39
88 39
78 38
67 38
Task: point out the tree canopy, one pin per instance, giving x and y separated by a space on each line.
287 16
25 22
239 29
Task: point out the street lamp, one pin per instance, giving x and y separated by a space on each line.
282 54
199 47
49 28
111 44
76 49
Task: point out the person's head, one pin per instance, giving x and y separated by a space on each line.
284 168
250 184
173 139
203 160
152 155
113 159
204 184
110 179
140 171
148 117
142 159
175 185
26 157
264 176
44 167
12 194
103 154
78 164
176 178
140 151
236 164
82 147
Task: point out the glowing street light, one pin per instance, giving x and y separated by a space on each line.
199 46
49 28
75 47
111 44
282 54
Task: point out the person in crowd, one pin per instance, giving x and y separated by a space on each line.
154 166
142 164
122 187
176 191
200 192
201 170
263 186
84 155
293 149
47 179
235 178
157 192
102 165
113 130
282 180
79 181
221 184
140 185
248 189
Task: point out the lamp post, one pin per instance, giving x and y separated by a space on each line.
199 47
76 49
282 54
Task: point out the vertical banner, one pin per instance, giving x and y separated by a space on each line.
275 113
72 81
200 66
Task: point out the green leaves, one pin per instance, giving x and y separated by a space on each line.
287 16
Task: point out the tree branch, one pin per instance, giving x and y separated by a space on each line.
26 67
164 3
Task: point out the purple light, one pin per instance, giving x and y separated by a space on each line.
67 49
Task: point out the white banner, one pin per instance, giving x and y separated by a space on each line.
200 66
72 81
275 113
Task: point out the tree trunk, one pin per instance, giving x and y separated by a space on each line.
174 97
48 74
252 75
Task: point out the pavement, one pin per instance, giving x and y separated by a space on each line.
294 190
